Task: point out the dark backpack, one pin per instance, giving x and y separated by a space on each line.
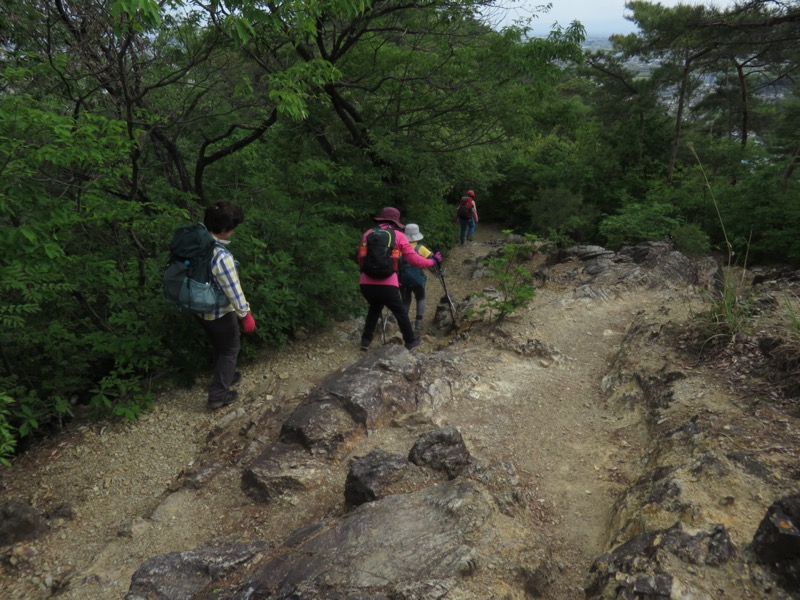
378 255
411 276
464 210
187 278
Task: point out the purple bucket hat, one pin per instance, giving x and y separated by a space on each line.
389 215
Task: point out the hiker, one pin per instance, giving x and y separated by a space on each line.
412 278
221 325
467 216
384 290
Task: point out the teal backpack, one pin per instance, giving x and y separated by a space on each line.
187 278
411 276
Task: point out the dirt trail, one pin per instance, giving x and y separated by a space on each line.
546 413
543 412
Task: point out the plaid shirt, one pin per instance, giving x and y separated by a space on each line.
226 278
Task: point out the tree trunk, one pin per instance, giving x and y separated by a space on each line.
676 138
789 170
745 125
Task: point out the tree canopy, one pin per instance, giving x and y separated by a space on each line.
122 119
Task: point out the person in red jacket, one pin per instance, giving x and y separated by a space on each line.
467 215
386 292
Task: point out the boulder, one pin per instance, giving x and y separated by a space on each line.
442 450
185 575
322 427
280 470
776 543
643 567
378 385
379 474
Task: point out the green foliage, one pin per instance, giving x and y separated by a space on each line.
638 222
729 312
8 436
691 239
75 294
793 318
511 278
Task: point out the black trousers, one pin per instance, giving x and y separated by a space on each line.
223 333
378 296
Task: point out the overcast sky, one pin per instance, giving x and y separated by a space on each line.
599 17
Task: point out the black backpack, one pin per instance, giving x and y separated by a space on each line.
187 278
378 255
464 211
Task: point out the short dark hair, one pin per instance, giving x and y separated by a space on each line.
223 216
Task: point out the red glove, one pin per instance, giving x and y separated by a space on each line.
248 323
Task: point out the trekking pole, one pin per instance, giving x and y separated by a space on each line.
447 297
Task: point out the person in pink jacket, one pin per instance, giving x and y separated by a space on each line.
386 292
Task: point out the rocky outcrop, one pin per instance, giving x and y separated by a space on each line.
190 574
445 539
430 539
639 567
386 384
654 265
427 524
380 474
776 543
669 535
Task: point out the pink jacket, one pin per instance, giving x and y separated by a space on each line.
407 250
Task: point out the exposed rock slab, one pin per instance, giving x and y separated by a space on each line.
184 575
432 539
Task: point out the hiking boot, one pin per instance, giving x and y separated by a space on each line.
365 345
413 344
228 398
237 379
469 239
418 324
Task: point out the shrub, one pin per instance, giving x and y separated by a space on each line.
511 278
638 222
691 239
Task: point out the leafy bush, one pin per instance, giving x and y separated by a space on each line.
638 222
691 240
511 278
8 438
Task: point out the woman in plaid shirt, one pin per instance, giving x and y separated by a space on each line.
221 326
